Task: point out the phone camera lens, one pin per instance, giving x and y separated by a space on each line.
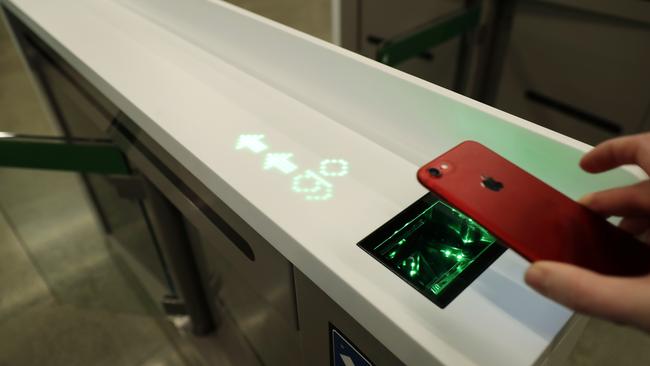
435 172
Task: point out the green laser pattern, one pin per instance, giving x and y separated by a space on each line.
435 247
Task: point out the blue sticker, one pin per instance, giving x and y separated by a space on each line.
345 353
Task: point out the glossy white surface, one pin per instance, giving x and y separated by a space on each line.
197 74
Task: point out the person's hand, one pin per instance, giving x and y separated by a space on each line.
621 299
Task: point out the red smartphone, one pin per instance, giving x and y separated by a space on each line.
528 215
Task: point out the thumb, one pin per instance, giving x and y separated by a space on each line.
622 299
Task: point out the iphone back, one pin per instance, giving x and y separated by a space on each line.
529 216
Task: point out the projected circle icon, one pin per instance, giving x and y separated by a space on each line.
334 167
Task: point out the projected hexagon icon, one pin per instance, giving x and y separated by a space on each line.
334 167
314 186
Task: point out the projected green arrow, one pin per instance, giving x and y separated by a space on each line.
251 142
313 185
279 161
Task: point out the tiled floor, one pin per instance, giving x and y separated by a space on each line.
64 300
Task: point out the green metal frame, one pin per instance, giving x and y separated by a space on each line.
64 155
438 31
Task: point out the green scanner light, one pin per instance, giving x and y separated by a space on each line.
434 247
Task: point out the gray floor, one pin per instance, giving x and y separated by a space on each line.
63 298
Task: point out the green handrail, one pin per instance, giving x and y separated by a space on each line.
432 34
65 155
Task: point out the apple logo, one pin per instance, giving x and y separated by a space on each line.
491 183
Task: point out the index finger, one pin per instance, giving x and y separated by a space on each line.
610 154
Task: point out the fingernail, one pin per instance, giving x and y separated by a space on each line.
536 277
584 200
